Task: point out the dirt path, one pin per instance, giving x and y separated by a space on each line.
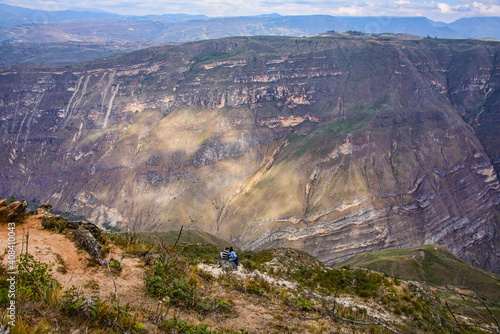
72 266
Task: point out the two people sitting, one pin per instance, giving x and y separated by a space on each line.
228 254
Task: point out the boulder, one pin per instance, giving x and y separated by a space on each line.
92 228
89 244
229 265
151 258
44 209
11 212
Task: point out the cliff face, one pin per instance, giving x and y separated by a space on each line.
332 146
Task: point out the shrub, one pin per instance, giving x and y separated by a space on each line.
101 312
367 284
72 302
257 285
359 282
171 279
303 303
175 325
54 223
223 305
4 284
115 266
252 261
178 326
35 277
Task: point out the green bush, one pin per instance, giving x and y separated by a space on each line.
367 284
4 284
99 312
34 277
303 303
115 266
175 325
55 223
257 286
71 302
223 305
252 261
359 282
180 327
171 279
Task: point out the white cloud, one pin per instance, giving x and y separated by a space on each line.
445 8
349 11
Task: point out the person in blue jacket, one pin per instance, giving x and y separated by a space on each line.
233 256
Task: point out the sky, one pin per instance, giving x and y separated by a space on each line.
440 10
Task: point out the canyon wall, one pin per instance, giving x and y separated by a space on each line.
331 145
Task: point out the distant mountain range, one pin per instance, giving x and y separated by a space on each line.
75 35
18 25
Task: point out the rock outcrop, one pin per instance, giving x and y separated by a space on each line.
329 145
11 212
44 209
229 265
89 244
92 228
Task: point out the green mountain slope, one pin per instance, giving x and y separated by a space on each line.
186 237
430 264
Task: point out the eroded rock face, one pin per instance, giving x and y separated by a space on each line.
11 212
332 146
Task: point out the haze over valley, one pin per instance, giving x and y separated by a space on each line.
45 36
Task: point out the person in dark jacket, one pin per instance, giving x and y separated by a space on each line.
224 255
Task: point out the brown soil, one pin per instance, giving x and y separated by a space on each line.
72 266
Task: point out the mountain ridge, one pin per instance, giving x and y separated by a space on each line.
63 37
180 28
429 264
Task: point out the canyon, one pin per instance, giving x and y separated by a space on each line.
332 145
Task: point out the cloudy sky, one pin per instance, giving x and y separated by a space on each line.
439 10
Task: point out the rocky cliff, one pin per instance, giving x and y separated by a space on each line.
331 145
